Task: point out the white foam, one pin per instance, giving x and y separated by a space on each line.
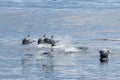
44 46
71 49
65 45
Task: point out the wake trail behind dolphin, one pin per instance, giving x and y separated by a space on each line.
65 44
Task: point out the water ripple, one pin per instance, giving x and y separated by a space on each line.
61 4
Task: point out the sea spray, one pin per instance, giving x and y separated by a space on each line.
66 44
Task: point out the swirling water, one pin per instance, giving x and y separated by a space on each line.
76 23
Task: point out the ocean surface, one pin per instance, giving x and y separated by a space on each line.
93 24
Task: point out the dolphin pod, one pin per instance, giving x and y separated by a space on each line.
104 54
42 40
47 40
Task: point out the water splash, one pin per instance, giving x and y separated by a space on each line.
65 44
71 49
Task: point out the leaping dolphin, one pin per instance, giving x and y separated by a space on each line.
27 40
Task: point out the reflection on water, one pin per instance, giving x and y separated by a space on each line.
104 62
43 65
46 61
52 64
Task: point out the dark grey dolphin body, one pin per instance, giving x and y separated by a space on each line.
52 42
41 40
104 55
48 41
27 40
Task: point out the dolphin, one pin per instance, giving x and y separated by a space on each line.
27 40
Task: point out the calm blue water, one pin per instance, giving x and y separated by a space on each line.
76 23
